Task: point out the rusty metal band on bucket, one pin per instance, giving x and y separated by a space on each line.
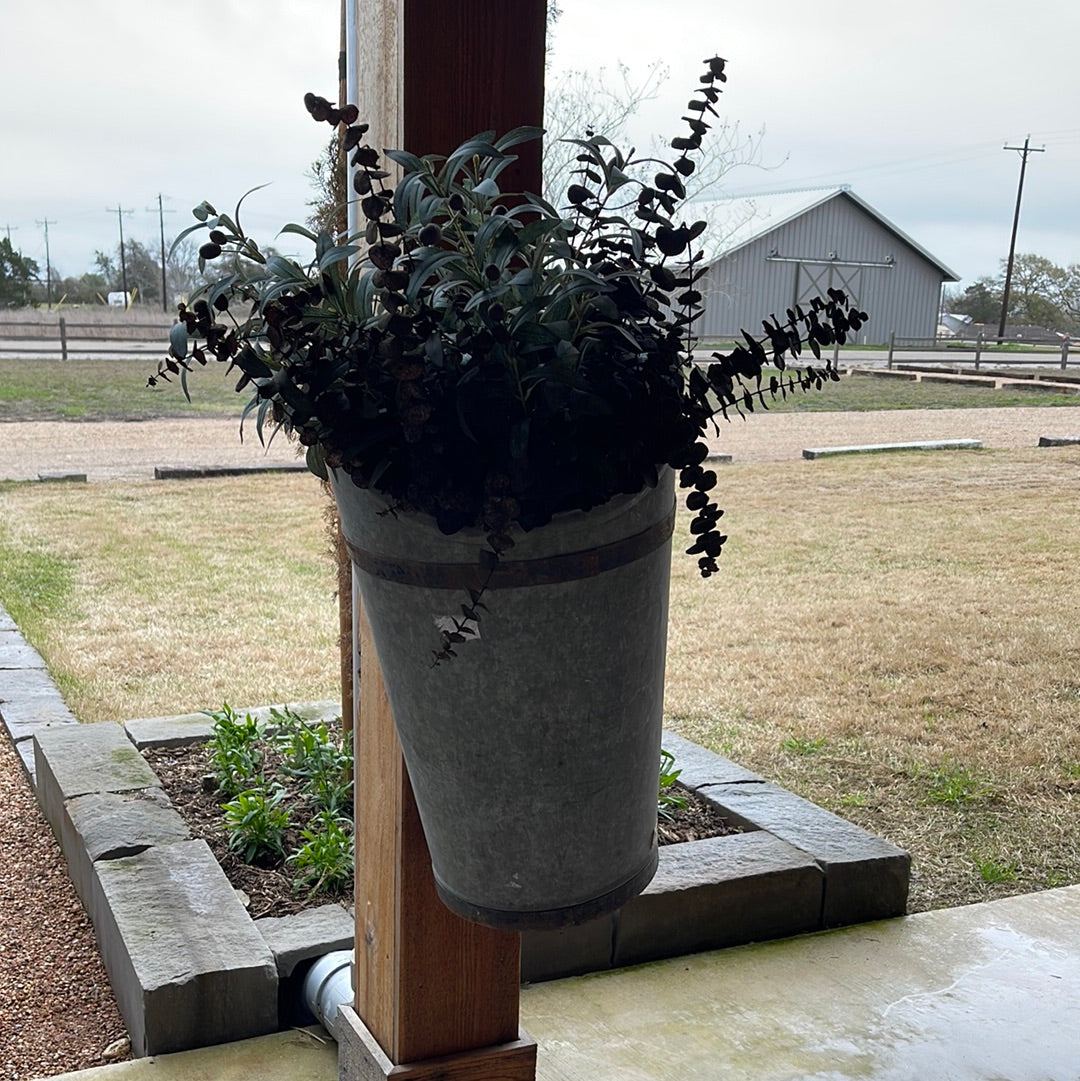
548 570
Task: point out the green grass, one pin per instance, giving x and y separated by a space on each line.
864 393
795 745
955 785
994 872
102 389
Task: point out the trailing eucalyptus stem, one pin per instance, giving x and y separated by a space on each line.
486 358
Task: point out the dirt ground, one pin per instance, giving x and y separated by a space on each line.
111 450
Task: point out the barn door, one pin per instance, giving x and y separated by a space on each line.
813 279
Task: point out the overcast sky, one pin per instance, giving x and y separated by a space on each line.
909 103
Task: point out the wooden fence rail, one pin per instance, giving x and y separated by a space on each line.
1034 351
62 331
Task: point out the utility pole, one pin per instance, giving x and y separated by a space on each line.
9 228
1023 151
161 222
120 212
48 261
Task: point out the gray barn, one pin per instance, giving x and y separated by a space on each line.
791 246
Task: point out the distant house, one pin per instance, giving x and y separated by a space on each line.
773 251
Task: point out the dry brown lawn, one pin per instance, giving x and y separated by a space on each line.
895 638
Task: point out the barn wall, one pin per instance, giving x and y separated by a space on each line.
743 288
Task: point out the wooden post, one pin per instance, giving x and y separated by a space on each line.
978 349
63 339
1064 353
892 346
436 996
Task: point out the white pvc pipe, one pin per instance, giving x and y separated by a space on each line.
328 987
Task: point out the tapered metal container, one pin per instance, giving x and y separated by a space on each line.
534 753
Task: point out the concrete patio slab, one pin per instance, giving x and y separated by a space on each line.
968 994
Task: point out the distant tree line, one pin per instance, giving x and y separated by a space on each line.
1043 294
23 280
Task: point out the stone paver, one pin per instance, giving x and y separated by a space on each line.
73 760
719 892
306 935
298 1055
811 453
703 767
16 652
866 878
110 825
29 700
61 476
184 958
172 472
187 728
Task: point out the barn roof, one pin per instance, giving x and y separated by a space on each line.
738 221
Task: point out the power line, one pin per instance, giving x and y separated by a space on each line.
46 222
120 212
161 222
1023 151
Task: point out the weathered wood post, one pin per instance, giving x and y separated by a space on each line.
63 339
436 996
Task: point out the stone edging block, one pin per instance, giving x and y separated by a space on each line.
723 891
74 760
1059 440
112 825
866 878
306 935
184 958
184 472
16 652
883 448
188 728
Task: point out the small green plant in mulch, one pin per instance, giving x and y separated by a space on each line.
257 821
324 862
285 775
668 801
236 751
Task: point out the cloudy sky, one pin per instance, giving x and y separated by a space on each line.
105 103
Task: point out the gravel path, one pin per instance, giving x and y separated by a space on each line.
57 1011
111 450
116 450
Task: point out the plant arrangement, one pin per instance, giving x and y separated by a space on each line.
290 785
490 360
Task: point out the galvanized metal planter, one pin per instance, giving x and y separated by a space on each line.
533 754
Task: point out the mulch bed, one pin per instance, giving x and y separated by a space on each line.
269 889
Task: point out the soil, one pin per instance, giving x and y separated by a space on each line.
697 821
184 773
269 888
